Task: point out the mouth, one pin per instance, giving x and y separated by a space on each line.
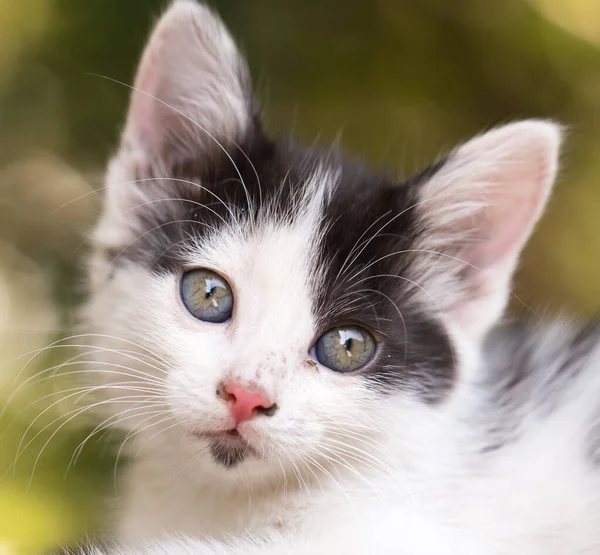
228 448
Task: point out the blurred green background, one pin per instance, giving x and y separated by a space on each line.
399 81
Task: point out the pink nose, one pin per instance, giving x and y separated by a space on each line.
244 403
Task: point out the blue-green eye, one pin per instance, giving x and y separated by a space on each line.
345 349
207 296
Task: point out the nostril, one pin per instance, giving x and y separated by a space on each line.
222 393
268 411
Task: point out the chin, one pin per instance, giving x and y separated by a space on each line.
228 456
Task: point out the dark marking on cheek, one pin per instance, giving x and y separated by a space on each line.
371 237
311 364
422 361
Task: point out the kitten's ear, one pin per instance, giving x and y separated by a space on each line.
478 211
191 101
191 90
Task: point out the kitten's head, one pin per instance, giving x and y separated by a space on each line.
261 308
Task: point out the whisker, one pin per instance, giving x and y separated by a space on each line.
355 246
452 353
370 444
360 456
135 373
112 421
50 439
193 122
132 434
406 251
154 435
59 343
400 214
125 386
174 199
186 182
395 305
155 228
75 412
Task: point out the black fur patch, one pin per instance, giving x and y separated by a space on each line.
368 218
371 231
524 373
227 455
580 347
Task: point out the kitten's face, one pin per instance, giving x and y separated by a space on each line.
261 309
301 264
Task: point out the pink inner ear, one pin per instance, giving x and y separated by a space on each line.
510 215
143 124
513 188
484 204
190 90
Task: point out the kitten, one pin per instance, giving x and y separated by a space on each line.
299 349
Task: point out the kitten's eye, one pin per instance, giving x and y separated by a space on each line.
345 349
207 296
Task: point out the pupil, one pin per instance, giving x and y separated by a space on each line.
348 344
209 293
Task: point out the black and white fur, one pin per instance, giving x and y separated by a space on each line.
450 441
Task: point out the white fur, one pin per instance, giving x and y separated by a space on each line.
539 497
341 469
410 480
